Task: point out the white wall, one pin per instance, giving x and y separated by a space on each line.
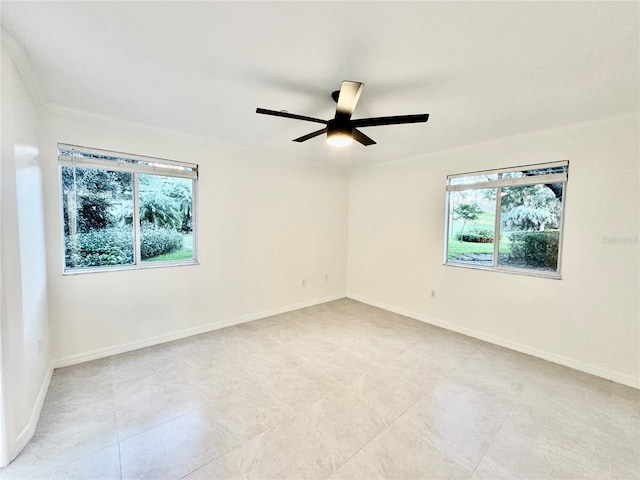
588 320
24 344
265 223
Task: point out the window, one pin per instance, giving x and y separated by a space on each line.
125 211
508 219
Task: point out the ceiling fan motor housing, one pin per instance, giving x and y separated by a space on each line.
339 126
339 132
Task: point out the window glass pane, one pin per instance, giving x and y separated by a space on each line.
98 212
471 226
513 174
530 219
166 218
93 155
535 171
473 179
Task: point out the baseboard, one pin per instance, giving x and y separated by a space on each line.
149 342
596 370
16 446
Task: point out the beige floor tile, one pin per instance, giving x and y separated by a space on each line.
78 391
271 362
308 347
103 464
293 450
340 390
398 453
150 407
248 411
346 421
458 420
625 433
61 440
341 365
286 327
391 394
416 370
143 358
542 442
174 449
30 465
302 386
219 469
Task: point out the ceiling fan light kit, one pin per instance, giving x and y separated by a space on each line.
339 136
339 140
341 130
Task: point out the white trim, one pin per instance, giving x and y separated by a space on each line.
4 437
27 433
168 337
589 368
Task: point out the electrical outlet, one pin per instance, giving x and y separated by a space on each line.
304 282
326 278
433 294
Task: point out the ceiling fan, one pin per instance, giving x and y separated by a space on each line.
342 130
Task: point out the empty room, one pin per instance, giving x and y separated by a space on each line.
320 240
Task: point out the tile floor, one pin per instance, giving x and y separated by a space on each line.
341 391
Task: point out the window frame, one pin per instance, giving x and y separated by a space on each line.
139 165
498 185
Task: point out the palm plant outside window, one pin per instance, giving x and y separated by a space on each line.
125 211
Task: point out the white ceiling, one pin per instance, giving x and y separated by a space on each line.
482 70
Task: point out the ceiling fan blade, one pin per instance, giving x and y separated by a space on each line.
372 122
348 98
358 136
310 135
275 113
